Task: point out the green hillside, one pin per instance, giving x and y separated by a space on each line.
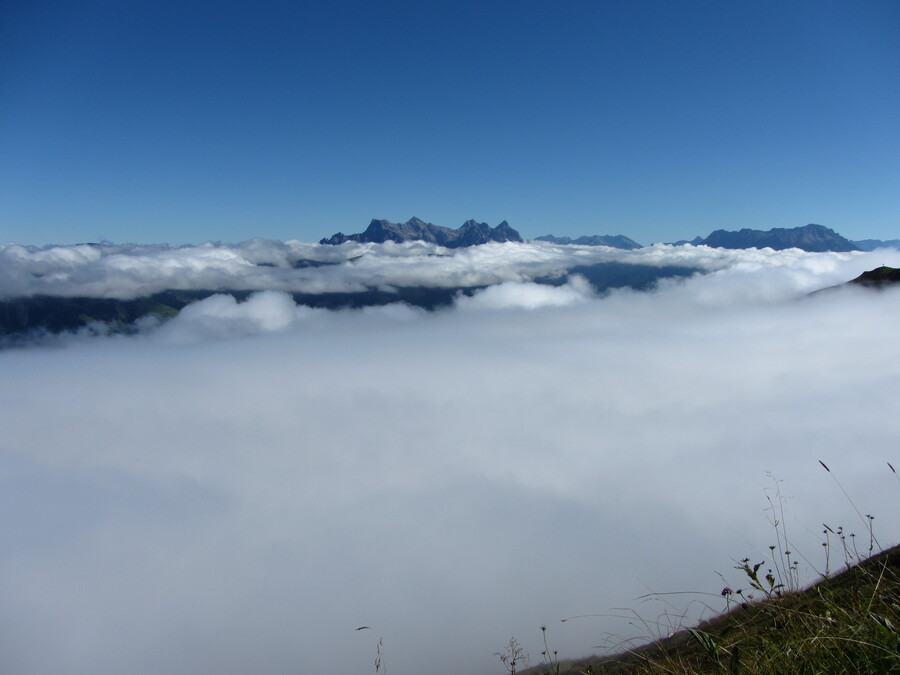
847 623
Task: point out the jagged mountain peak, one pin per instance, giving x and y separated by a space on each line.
471 233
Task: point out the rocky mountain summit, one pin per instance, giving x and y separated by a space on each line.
611 240
471 233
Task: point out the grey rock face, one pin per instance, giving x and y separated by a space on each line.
471 233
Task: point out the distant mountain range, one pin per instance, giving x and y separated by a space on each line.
613 241
23 315
872 244
471 233
809 238
815 238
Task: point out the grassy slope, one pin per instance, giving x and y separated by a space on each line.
847 623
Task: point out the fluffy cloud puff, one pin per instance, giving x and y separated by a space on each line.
528 295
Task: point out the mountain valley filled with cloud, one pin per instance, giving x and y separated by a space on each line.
239 487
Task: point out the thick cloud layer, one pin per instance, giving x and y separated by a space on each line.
239 489
126 272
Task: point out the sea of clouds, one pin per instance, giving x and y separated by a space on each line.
238 489
130 271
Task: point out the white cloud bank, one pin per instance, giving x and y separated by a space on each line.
130 271
239 489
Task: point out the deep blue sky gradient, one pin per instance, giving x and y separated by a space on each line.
183 122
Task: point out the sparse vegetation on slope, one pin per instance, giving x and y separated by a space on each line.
844 623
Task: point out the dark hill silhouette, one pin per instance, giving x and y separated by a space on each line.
878 278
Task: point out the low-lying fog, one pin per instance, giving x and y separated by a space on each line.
239 489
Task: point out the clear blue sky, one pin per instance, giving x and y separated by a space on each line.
184 121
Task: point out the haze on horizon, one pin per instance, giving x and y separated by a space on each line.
190 122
